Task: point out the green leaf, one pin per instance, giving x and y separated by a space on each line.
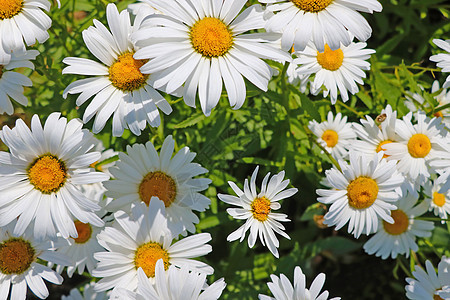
192 120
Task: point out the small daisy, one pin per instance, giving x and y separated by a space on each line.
42 174
138 241
365 191
12 83
88 294
142 174
417 145
427 284
119 87
258 209
443 59
320 21
282 288
203 45
334 134
438 196
400 236
336 70
19 265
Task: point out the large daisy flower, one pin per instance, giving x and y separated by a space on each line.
417 145
119 87
138 241
335 70
365 191
334 134
438 196
427 284
19 265
257 209
142 174
42 174
443 59
282 288
400 236
201 44
12 83
320 21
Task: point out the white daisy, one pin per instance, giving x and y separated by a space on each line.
365 191
202 43
142 174
335 70
438 196
427 284
400 236
138 241
320 21
417 145
282 288
12 83
119 87
443 59
258 209
19 265
334 134
88 294
42 173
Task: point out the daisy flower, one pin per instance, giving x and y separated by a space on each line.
427 284
200 44
119 87
438 196
365 191
320 21
138 241
417 145
19 265
42 174
443 59
257 209
282 288
334 134
400 236
336 70
88 294
142 174
12 83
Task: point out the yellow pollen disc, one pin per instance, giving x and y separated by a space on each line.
380 147
84 232
124 73
362 192
261 208
48 174
10 8
16 256
158 184
330 137
211 37
330 59
312 5
401 223
419 145
147 255
439 199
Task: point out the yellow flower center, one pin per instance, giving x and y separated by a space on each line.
158 184
147 255
380 147
211 37
16 256
261 209
312 5
330 137
10 8
84 232
400 225
330 59
125 75
362 192
419 145
438 199
48 174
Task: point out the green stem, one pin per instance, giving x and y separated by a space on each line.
312 139
360 115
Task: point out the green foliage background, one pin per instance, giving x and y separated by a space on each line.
270 130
